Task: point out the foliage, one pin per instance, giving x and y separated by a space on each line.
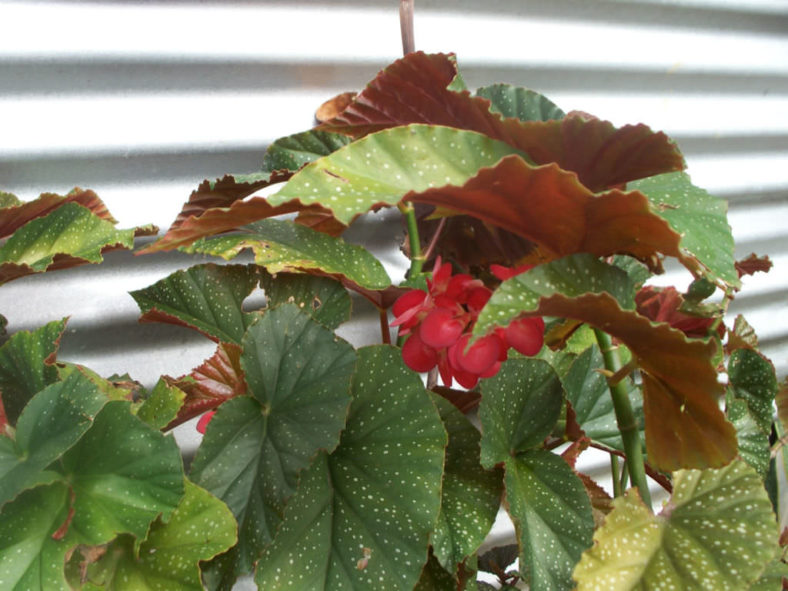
323 466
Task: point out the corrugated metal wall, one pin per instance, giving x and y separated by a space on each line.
140 100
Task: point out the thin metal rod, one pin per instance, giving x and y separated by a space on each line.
406 26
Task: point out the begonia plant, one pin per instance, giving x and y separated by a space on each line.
530 236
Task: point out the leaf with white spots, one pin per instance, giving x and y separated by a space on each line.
293 151
435 578
322 298
519 407
589 394
200 527
380 169
717 533
753 442
362 516
298 373
70 235
280 245
123 474
522 103
753 380
27 366
684 425
470 496
701 219
52 422
773 577
30 558
206 297
162 406
552 517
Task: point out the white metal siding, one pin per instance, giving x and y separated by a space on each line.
141 100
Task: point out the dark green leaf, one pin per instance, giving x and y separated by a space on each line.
637 271
552 517
27 366
753 442
52 422
700 218
519 407
435 578
206 297
124 474
470 496
362 517
499 558
298 373
717 533
753 380
293 151
162 406
515 101
589 395
280 245
322 298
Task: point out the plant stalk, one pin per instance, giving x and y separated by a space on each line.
615 471
406 26
416 258
625 417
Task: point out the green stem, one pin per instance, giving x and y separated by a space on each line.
625 417
616 473
416 259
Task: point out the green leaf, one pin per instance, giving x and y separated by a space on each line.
435 578
637 271
68 236
52 422
519 407
717 533
298 373
293 151
753 442
206 297
162 406
470 496
589 395
30 558
383 167
700 218
124 474
9 200
362 517
552 517
772 578
753 380
27 366
322 298
522 103
281 245
199 528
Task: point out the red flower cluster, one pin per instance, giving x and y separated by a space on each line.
439 324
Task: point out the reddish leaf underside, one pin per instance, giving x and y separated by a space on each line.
685 427
11 271
14 217
549 207
219 378
414 89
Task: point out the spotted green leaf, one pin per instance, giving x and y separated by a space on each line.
753 380
123 474
383 167
280 245
69 235
772 578
206 297
293 151
26 366
519 407
52 422
701 220
362 516
753 442
200 527
589 394
322 298
552 517
470 496
162 406
30 558
717 533
434 577
522 103
298 373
